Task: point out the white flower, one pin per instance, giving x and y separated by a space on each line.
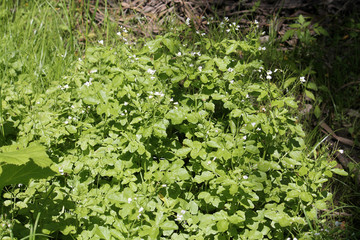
178 54
171 99
209 162
244 137
341 151
200 68
118 33
231 81
302 79
151 96
245 177
183 212
203 34
93 71
227 30
126 103
230 69
187 22
176 103
129 200
269 72
226 19
88 83
268 77
66 122
191 65
253 124
61 171
164 185
101 42
141 209
150 71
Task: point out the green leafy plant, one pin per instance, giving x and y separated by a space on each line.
19 165
303 29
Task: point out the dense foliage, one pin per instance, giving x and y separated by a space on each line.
164 141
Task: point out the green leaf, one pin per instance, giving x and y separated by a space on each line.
320 204
193 207
312 86
220 63
222 226
205 176
317 112
103 232
91 100
231 48
252 149
291 103
309 95
168 225
71 129
213 144
305 196
289 81
169 44
339 171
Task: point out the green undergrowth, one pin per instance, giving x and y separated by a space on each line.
167 138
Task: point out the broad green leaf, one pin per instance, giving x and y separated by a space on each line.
222 226
252 149
339 171
169 43
220 63
213 144
205 176
231 48
305 196
103 232
309 94
71 129
289 81
291 103
168 225
91 100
